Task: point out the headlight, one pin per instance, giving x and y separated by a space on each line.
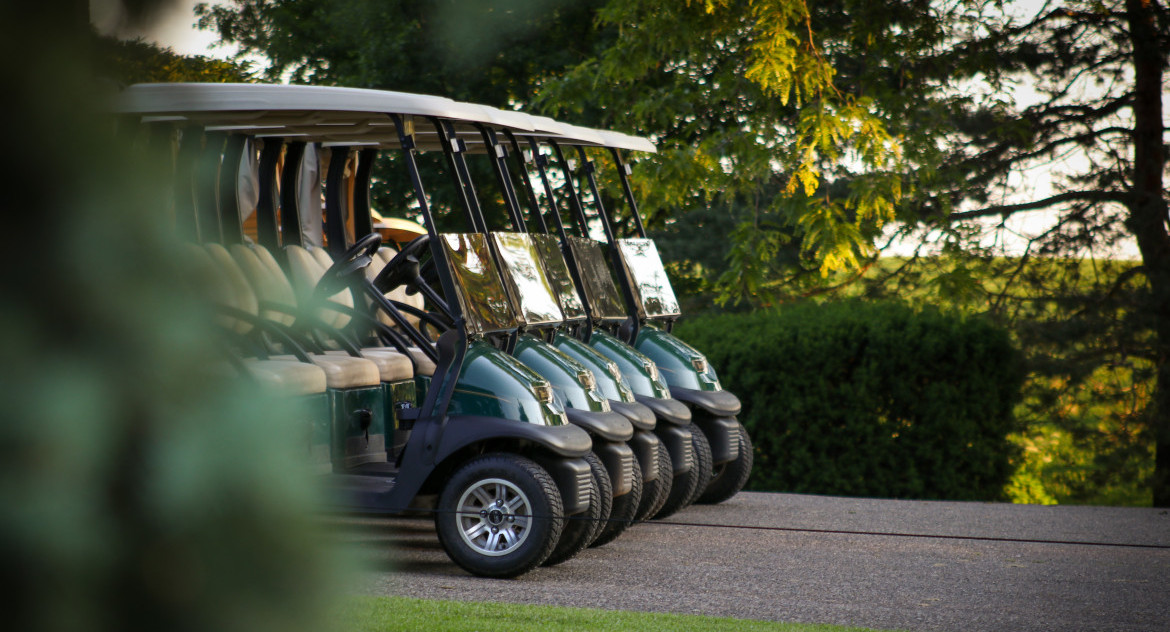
652 369
543 392
700 364
587 379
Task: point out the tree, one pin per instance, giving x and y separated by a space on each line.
139 61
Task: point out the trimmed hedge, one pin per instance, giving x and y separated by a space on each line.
869 398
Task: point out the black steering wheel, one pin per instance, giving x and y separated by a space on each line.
352 261
403 269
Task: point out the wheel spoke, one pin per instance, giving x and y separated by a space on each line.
482 496
477 530
515 505
493 542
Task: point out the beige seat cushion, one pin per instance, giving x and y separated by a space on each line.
425 365
344 371
393 365
288 376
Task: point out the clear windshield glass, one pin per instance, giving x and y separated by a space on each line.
549 248
648 277
481 293
600 288
532 292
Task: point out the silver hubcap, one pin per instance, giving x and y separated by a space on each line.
494 517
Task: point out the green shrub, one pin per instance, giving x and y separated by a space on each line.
869 399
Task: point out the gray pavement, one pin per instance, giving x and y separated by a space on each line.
874 581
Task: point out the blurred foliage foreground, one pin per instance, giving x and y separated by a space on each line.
138 490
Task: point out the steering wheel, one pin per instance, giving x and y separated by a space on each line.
403 268
359 255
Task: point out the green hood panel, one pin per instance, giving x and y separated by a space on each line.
494 384
639 369
572 380
678 362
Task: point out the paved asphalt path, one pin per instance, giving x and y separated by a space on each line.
876 581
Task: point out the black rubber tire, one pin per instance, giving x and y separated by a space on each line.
682 487
544 508
728 478
703 464
654 493
580 529
604 493
625 509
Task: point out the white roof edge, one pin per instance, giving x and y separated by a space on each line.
626 141
167 98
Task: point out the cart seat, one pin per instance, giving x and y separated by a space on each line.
271 286
426 366
288 377
398 294
306 270
240 294
343 371
393 365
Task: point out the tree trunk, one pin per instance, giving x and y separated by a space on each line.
1148 218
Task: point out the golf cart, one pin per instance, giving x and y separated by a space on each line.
652 310
487 437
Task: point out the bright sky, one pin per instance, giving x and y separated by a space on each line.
174 29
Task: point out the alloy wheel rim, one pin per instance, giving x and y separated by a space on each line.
494 517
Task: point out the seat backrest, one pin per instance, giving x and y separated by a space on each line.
306 271
398 294
240 293
268 281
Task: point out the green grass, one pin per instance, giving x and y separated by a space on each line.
370 614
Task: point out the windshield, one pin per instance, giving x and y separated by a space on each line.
531 290
549 248
480 291
648 277
598 281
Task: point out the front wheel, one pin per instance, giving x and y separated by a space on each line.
729 478
500 515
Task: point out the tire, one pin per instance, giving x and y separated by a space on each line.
654 492
728 478
625 509
604 494
506 492
580 529
683 485
703 464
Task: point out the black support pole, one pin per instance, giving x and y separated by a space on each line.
231 225
207 188
363 220
267 234
336 201
290 212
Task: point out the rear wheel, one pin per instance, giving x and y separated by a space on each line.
729 478
499 515
654 492
625 509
